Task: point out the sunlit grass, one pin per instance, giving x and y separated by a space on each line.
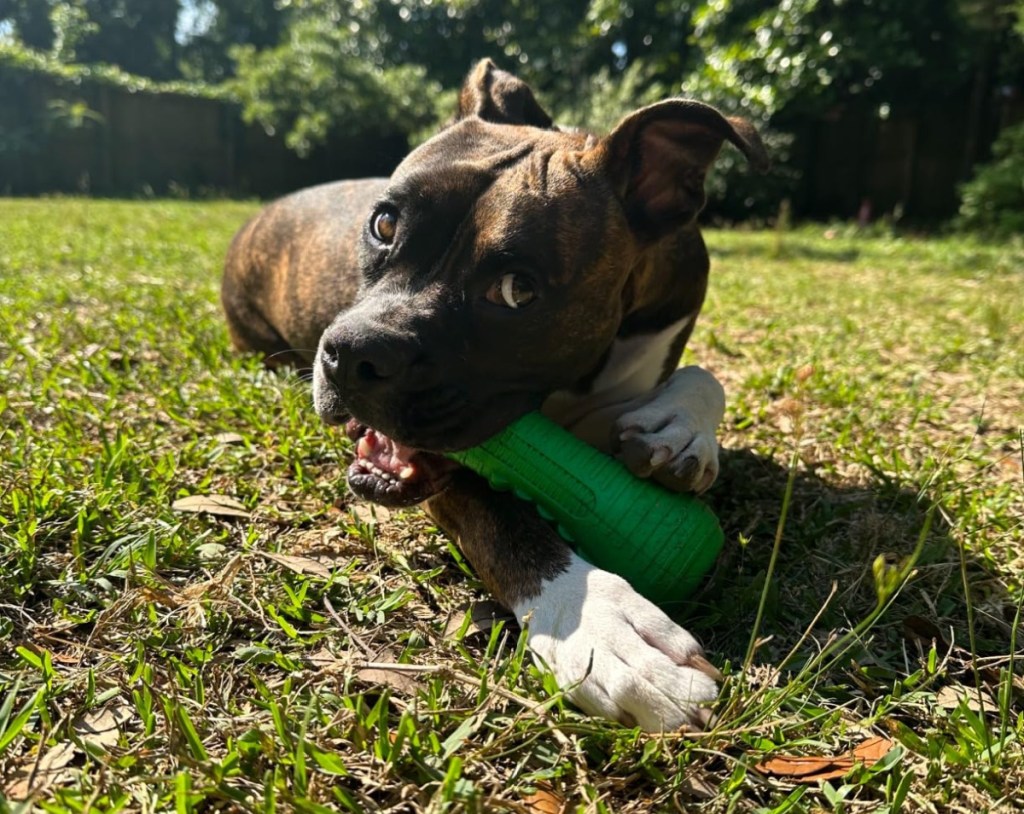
316 653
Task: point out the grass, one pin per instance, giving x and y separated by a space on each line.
311 654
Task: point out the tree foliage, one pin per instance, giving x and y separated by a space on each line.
310 68
993 200
138 37
317 82
30 21
806 55
216 26
759 55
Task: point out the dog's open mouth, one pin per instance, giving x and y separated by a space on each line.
392 474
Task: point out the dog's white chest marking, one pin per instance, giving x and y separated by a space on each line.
633 368
636 363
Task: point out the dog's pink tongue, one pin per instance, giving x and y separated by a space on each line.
388 455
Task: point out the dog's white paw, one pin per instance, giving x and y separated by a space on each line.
669 446
616 654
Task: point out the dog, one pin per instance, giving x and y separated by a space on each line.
509 265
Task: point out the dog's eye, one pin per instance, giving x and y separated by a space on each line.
512 291
383 226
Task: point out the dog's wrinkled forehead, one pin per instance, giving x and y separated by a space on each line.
467 141
478 189
471 154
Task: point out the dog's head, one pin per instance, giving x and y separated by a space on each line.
495 268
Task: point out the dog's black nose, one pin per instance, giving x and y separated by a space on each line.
354 360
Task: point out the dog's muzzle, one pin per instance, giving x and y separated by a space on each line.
375 377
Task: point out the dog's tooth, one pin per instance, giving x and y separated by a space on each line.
364 448
407 472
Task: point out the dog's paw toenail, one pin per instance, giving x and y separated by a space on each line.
698 662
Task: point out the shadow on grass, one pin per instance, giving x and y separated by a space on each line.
832 537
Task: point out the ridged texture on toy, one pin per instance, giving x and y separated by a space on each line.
661 542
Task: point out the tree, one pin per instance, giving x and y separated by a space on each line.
30 20
806 55
136 35
319 81
71 25
219 25
993 200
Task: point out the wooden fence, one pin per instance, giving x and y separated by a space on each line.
849 162
142 143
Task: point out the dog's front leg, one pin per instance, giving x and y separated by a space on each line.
615 653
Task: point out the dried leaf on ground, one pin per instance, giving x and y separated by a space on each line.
950 697
325 659
815 768
300 565
698 787
394 678
49 771
217 505
370 513
872 750
99 728
545 801
806 768
102 727
924 631
229 438
401 677
482 617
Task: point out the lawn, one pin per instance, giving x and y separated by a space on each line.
280 646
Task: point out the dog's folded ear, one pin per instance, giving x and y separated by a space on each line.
657 159
499 97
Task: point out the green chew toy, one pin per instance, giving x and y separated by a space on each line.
661 542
